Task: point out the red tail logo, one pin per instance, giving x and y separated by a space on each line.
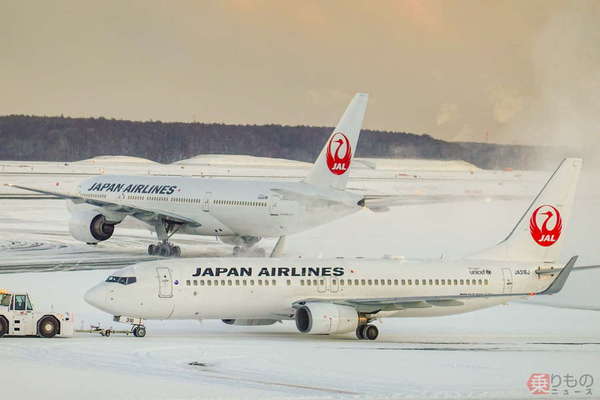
548 216
339 153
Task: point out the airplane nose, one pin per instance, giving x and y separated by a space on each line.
96 297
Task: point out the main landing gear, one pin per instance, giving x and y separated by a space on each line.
239 251
164 230
164 249
367 332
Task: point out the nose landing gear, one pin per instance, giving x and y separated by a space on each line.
138 330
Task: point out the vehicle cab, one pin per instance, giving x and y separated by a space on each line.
18 317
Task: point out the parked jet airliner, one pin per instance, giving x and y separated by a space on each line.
345 295
240 213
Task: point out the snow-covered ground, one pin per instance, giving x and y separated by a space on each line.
485 354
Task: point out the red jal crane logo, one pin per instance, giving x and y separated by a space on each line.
339 153
544 235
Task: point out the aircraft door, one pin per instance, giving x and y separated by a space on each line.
508 280
165 282
206 202
274 206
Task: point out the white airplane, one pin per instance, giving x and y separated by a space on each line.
345 295
240 213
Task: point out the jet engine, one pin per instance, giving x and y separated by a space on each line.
327 318
250 322
90 226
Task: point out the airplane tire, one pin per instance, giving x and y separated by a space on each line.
164 251
48 327
139 331
370 332
3 327
359 332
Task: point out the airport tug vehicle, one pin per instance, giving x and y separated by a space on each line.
18 317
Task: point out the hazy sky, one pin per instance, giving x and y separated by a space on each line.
520 71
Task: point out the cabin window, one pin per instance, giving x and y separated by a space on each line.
480 282
416 281
273 282
201 282
389 282
289 282
308 282
222 282
188 283
356 282
376 282
486 281
437 282
424 281
431 281
251 282
266 282
468 282
301 282
244 282
462 281
237 282
410 281
260 282
209 283
229 283
369 282
455 282
403 282
322 282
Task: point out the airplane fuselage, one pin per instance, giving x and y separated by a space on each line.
268 288
226 207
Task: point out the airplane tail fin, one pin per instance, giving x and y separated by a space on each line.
332 166
539 234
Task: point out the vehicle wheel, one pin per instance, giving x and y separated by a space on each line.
151 250
140 331
359 332
176 251
48 327
3 327
164 251
370 332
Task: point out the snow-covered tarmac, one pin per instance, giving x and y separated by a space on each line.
485 354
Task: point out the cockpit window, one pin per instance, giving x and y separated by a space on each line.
123 280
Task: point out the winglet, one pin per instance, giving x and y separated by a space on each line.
560 280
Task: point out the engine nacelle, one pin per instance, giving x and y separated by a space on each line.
249 322
90 226
326 318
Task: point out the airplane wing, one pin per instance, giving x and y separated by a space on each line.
145 214
374 305
382 203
